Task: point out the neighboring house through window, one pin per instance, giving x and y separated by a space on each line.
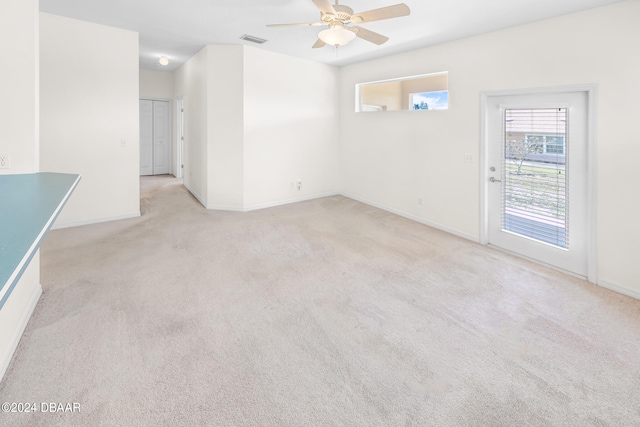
547 144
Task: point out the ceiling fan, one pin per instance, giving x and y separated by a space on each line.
338 16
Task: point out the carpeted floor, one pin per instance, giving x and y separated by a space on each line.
326 312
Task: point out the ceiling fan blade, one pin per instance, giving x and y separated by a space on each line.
368 35
307 24
325 6
318 44
382 13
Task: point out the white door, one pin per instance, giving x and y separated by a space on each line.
155 137
161 138
537 177
146 137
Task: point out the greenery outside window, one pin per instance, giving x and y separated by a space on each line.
438 100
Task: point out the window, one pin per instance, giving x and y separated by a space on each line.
534 180
547 144
554 145
423 92
429 100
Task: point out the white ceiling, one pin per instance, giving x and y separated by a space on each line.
179 29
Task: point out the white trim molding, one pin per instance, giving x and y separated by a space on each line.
256 206
414 218
194 194
69 224
619 289
227 208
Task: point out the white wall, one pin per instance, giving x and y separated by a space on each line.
211 86
156 84
19 84
248 131
19 119
225 126
290 128
89 116
190 82
391 159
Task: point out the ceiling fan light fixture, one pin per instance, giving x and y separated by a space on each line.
336 36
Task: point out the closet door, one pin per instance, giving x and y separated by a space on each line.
146 137
155 137
161 138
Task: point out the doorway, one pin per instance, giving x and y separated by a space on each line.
155 137
538 175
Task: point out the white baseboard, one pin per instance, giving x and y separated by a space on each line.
257 206
68 224
194 194
415 218
17 334
619 289
281 202
227 208
212 207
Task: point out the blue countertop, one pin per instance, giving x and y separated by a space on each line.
29 205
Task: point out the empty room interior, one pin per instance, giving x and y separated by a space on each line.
319 212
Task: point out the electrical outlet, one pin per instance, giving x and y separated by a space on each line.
299 184
468 158
5 161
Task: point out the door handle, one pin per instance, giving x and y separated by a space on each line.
492 179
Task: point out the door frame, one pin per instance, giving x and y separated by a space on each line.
591 91
179 164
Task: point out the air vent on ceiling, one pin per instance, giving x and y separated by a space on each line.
253 39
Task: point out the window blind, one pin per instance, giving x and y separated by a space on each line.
534 174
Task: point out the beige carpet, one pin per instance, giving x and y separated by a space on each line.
326 312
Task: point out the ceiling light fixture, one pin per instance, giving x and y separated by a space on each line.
163 61
336 35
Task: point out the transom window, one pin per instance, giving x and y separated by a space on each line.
422 92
